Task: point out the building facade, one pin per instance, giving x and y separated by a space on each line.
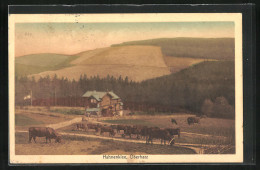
102 103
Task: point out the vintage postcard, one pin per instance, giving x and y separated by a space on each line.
125 88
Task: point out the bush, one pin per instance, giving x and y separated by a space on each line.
220 108
207 107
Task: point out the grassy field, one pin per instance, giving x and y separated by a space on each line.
210 130
36 63
22 120
68 111
85 55
130 122
147 56
137 62
86 146
42 60
37 116
135 73
178 63
210 126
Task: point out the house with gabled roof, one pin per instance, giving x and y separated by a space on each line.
103 103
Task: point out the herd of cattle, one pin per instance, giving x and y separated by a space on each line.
149 133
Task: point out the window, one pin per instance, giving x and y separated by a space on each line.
93 101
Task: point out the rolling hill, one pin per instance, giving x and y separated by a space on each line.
137 62
210 48
36 63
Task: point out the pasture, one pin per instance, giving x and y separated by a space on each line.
210 131
37 116
87 146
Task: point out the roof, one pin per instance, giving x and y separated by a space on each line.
99 95
92 109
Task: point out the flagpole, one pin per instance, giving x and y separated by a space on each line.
54 96
31 97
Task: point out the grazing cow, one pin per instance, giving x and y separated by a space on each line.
174 121
93 126
158 134
143 132
146 130
192 120
47 132
81 126
174 131
135 130
108 129
121 127
113 126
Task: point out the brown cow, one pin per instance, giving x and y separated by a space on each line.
47 132
192 120
158 134
93 126
121 127
81 126
174 131
113 126
136 130
108 129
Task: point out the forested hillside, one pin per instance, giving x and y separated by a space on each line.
187 89
210 48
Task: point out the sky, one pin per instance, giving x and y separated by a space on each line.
73 38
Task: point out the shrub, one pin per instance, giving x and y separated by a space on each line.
220 108
207 107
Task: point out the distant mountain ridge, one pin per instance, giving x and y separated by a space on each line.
207 48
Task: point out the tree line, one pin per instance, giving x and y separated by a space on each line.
186 90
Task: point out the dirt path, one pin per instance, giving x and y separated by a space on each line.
203 135
66 123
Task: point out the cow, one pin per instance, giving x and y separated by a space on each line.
174 131
108 129
93 126
113 126
158 134
174 121
81 126
192 120
47 132
120 127
145 131
135 130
